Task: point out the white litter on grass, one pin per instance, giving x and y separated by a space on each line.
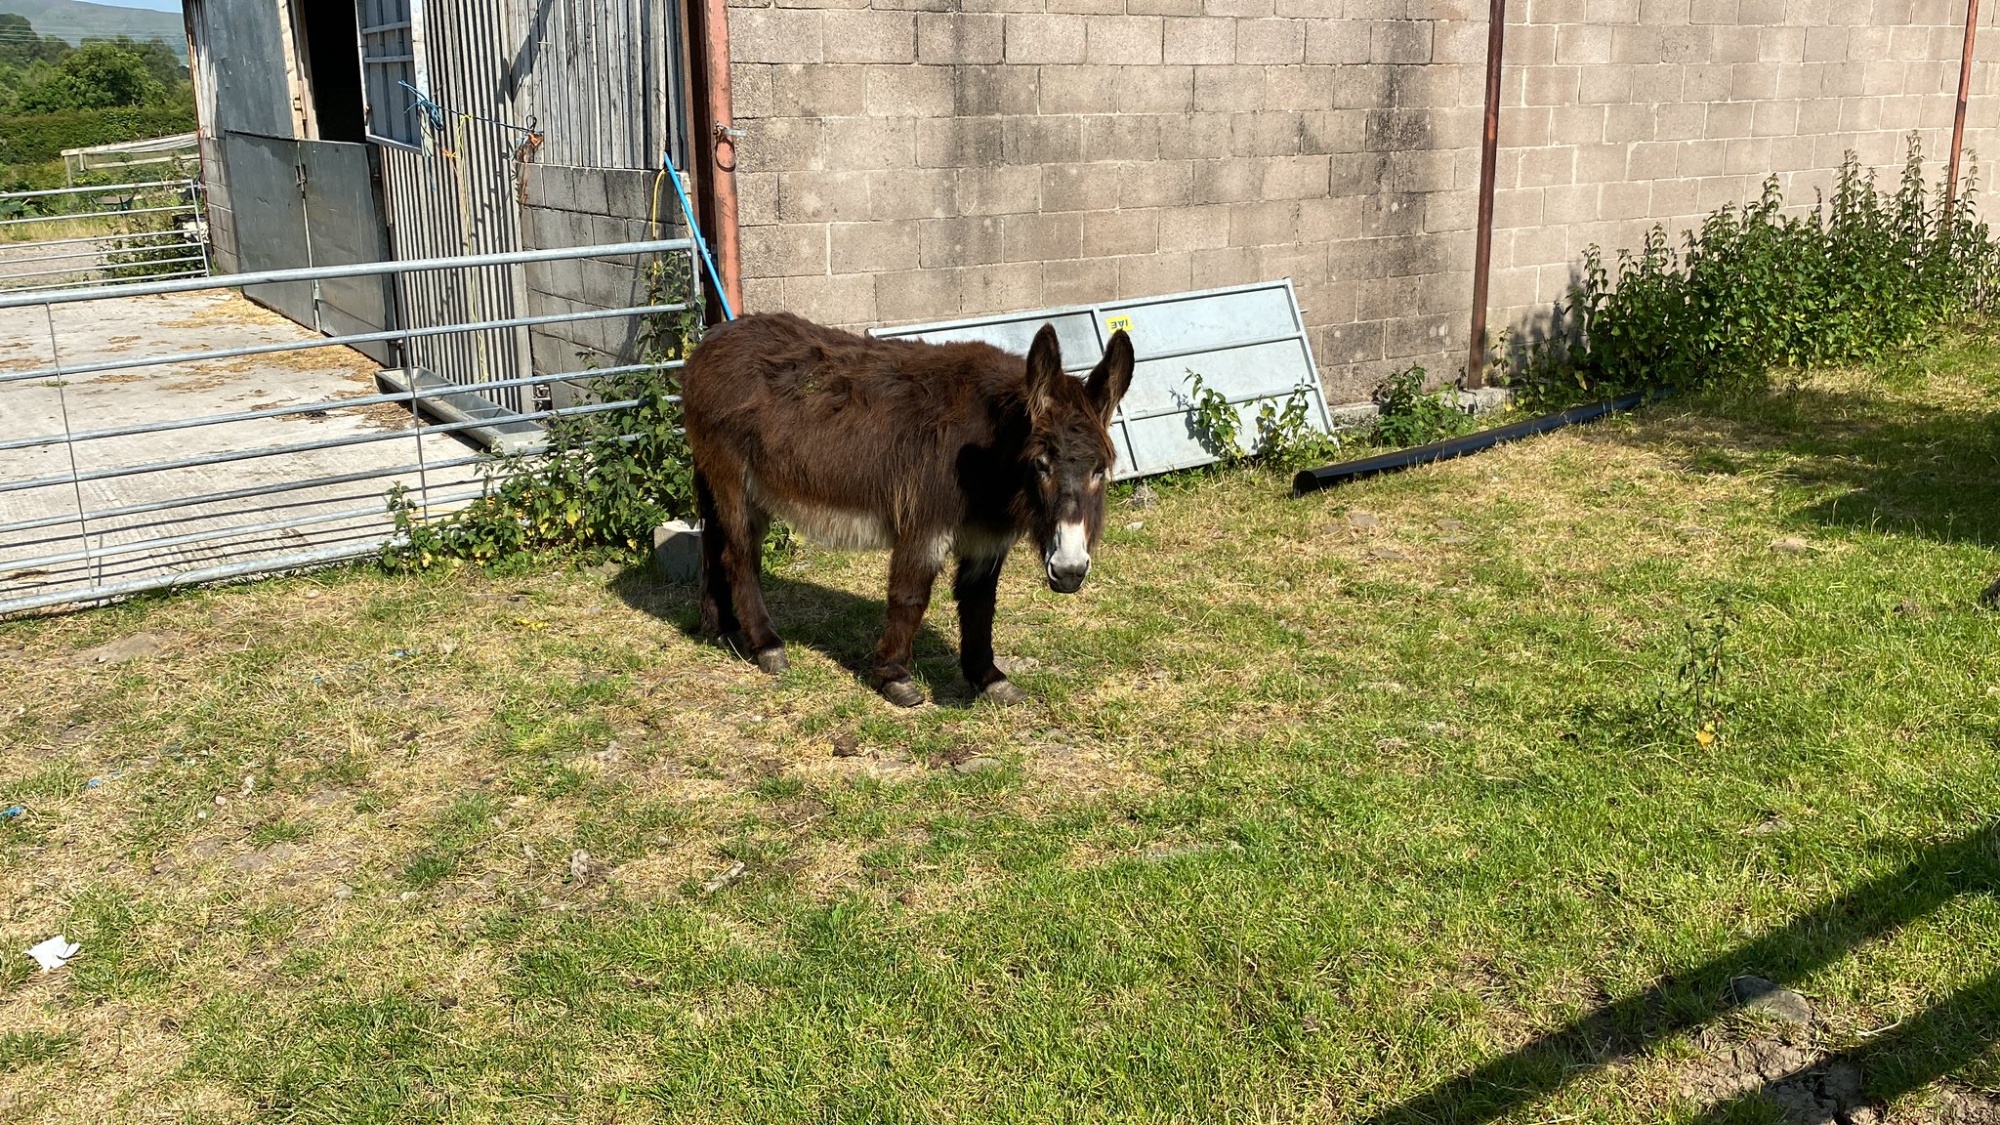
54 953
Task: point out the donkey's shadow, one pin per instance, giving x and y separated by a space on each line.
840 625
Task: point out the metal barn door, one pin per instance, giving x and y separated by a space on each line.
270 207
343 219
313 203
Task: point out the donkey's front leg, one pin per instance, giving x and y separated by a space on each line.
977 588
913 568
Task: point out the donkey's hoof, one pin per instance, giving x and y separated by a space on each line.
902 693
1002 692
772 662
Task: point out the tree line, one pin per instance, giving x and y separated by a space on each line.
42 74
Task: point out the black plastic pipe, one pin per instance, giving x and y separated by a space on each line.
1312 480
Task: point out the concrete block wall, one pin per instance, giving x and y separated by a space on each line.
222 245
566 206
910 160
1624 113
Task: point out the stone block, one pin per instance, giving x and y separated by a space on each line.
1123 40
677 551
870 37
775 35
1037 39
956 37
1203 41
871 247
929 92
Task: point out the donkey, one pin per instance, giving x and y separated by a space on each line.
927 450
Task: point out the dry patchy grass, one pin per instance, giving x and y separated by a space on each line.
1371 803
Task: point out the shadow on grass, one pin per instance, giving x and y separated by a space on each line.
1879 461
1915 1052
840 625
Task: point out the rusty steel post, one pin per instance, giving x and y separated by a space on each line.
719 137
1482 265
1958 115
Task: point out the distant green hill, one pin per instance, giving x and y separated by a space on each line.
76 21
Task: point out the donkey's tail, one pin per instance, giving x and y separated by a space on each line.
717 615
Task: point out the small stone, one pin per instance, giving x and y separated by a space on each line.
1790 545
1136 525
1450 525
980 764
249 785
1144 497
728 877
1769 826
583 869
342 892
1387 554
846 745
1362 521
1760 995
138 646
220 800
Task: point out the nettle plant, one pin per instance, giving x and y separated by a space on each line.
1863 273
606 480
1407 415
1285 437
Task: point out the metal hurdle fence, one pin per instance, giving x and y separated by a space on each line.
107 490
85 236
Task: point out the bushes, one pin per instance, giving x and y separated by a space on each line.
608 479
40 138
1754 289
1407 416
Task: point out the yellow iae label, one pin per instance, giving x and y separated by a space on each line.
1118 324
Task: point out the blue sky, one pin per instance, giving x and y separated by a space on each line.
154 5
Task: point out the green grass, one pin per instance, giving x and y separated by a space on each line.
1306 820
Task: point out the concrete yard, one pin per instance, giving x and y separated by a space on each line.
164 525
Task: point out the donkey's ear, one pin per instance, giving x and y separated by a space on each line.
1112 376
1045 370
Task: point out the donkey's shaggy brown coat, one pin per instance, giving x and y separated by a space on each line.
924 449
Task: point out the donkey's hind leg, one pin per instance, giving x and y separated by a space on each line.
741 525
718 614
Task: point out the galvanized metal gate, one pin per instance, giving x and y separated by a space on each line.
222 447
64 237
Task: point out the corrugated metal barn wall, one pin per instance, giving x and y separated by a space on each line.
596 80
